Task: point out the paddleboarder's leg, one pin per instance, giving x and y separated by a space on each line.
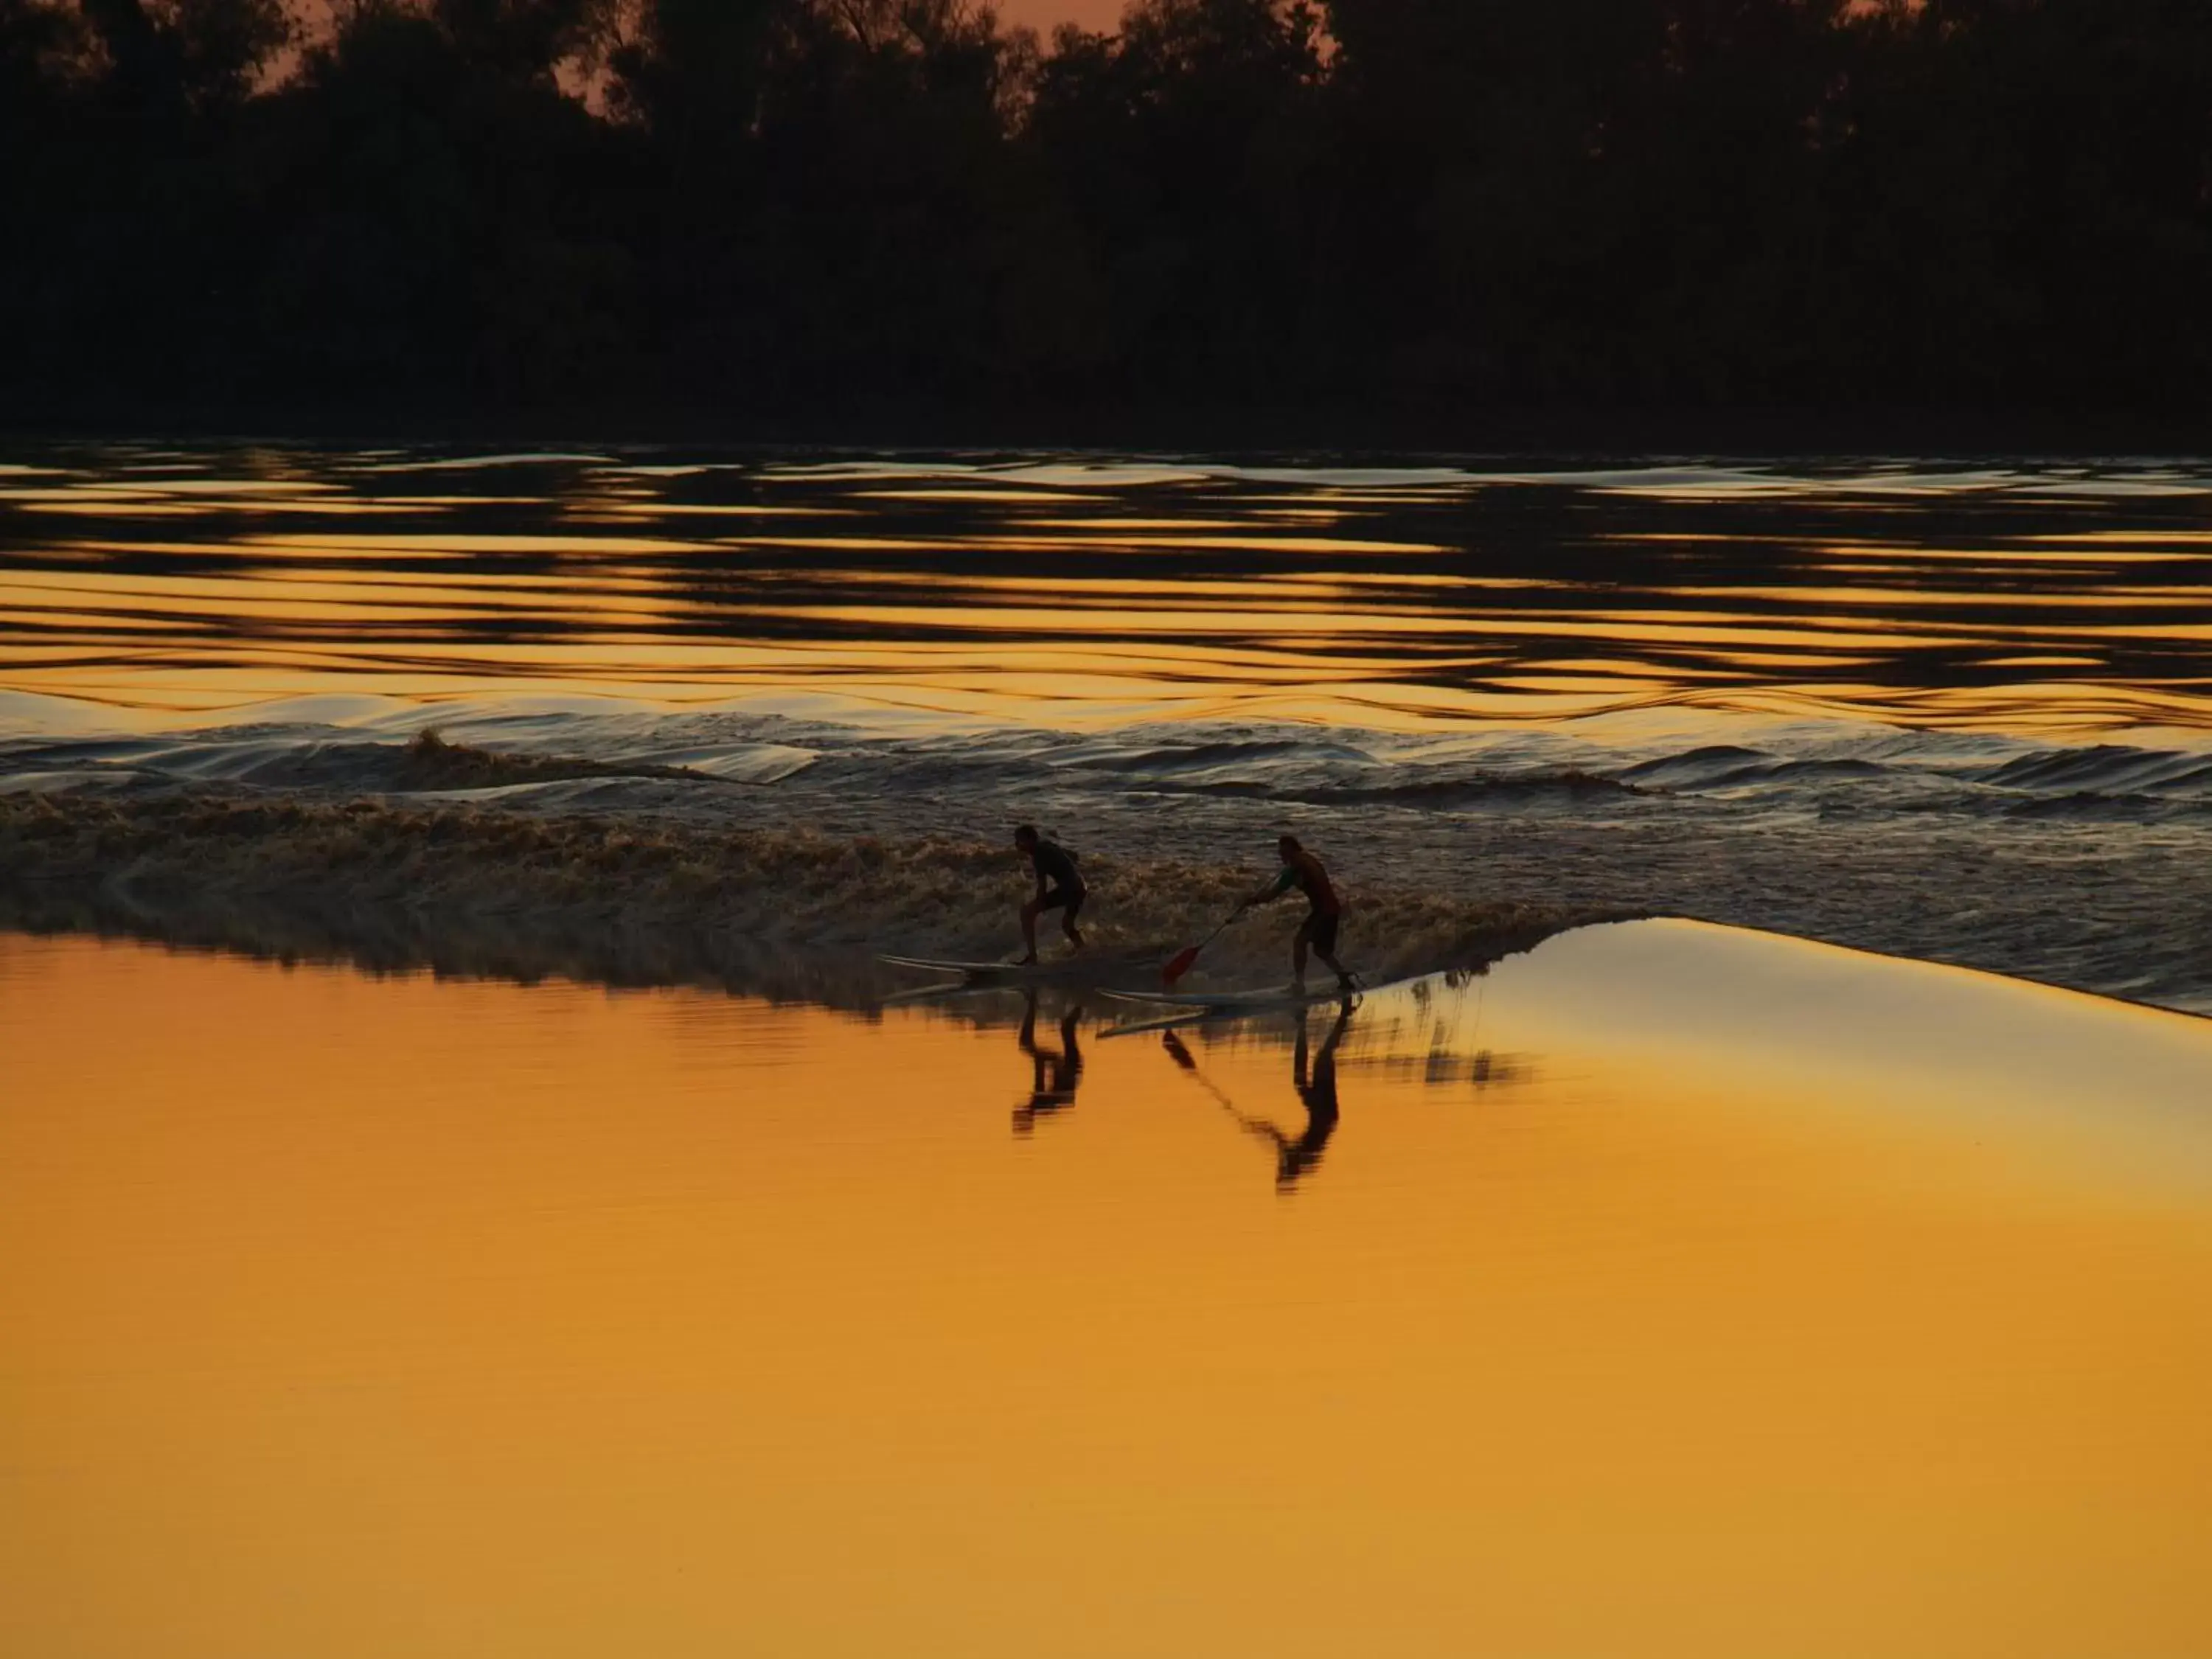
1299 940
1060 898
1322 932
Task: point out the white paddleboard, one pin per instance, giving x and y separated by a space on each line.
930 965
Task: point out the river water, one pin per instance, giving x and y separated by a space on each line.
1961 711
385 1280
1668 1292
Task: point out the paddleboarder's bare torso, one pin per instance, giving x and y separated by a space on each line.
1318 933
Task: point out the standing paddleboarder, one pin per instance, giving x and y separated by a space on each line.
1059 887
1302 871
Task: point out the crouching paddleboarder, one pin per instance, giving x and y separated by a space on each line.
1059 887
1302 871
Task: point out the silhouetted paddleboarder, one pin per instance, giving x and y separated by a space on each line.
1302 871
1054 1074
1059 887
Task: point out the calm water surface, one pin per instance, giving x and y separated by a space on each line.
1670 1291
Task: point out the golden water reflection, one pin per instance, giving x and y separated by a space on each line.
152 579
1669 1292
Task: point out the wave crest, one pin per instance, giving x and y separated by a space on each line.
471 889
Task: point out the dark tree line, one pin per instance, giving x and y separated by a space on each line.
754 206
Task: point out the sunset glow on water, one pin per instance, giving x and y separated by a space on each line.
2016 598
1812 1308
1951 711
1105 830
1669 1289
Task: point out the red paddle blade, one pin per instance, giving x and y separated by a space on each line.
1179 964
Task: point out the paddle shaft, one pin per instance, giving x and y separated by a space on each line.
1181 964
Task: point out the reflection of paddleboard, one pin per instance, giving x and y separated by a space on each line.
1169 1021
1236 1001
952 990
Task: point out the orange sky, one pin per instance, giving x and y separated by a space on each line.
1044 15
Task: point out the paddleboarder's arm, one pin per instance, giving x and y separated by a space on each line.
1274 891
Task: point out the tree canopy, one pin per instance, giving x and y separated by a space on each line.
750 207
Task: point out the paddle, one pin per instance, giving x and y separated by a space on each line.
1180 963
1183 1057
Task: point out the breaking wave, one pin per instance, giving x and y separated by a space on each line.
754 841
475 887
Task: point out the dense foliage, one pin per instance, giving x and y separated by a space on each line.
756 206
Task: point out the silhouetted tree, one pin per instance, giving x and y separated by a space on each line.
756 206
1185 150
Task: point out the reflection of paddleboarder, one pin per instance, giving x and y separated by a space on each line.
1059 887
1054 1073
1316 1087
1315 1078
1302 871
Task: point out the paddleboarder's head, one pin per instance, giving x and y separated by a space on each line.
1288 847
1025 837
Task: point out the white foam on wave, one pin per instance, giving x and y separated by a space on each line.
754 763
60 779
2080 862
759 736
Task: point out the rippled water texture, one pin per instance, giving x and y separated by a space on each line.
2014 597
1667 1289
1668 1292
1961 712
